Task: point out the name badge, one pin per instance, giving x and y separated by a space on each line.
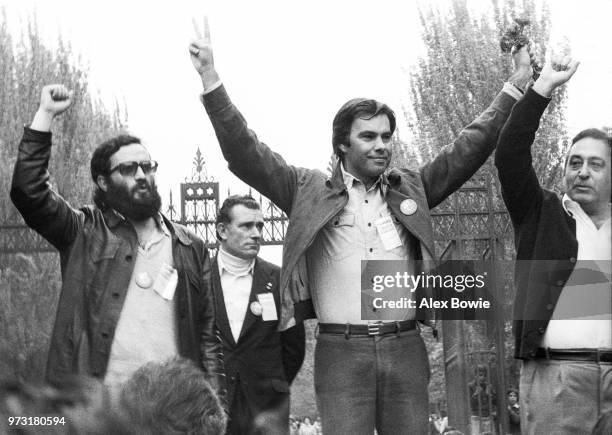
388 233
166 281
268 306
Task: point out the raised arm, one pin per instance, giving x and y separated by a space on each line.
43 209
251 160
520 186
458 161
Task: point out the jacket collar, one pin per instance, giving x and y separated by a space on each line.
339 177
182 234
392 177
336 181
114 219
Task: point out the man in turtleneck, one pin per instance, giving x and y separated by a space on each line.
260 361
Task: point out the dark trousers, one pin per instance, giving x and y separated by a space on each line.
363 383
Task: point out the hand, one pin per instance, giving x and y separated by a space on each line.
55 99
522 59
202 55
558 70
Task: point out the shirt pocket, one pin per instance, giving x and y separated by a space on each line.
101 267
338 238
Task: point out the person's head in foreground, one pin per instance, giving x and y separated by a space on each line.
172 397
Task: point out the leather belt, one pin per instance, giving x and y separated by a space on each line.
371 330
595 355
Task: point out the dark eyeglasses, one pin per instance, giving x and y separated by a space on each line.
129 169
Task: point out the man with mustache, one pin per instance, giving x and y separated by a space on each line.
136 287
260 361
367 374
562 311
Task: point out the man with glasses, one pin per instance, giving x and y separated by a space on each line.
136 287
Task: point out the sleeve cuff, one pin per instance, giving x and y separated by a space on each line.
39 136
536 99
512 90
211 88
216 100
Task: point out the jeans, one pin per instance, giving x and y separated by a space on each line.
362 383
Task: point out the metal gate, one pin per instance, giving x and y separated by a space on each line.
200 203
473 224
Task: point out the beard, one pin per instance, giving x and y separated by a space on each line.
126 202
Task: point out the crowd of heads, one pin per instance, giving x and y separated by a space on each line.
171 397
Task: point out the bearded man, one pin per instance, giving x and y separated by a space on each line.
136 287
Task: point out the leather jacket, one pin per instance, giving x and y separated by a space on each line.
97 255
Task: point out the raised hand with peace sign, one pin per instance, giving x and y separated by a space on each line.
201 53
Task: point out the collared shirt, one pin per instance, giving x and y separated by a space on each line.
146 330
582 317
236 275
334 258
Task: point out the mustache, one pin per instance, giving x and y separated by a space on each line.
142 184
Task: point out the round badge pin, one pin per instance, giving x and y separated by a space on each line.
408 207
144 280
256 308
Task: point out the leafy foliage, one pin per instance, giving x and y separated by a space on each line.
464 69
25 66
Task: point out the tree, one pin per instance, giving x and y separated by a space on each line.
26 66
463 70
30 282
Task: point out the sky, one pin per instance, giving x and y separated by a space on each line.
288 66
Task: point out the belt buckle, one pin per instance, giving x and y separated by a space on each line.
374 329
